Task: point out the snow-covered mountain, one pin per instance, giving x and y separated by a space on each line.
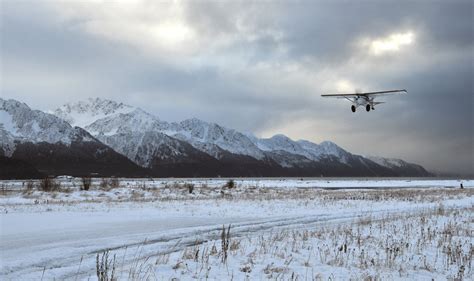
399 165
151 142
83 113
20 124
282 143
123 128
52 145
109 119
310 150
324 149
211 138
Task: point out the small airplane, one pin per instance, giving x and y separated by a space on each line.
363 99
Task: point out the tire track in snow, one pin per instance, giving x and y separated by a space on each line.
158 243
178 243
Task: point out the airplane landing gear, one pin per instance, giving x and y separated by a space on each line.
367 107
353 108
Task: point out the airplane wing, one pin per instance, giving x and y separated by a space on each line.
364 94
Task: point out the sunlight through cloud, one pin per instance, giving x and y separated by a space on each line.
171 33
391 43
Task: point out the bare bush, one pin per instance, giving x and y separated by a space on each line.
230 184
30 185
86 183
108 184
114 183
190 187
104 183
48 185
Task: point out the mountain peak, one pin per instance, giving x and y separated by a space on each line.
330 148
20 123
192 122
329 144
281 137
83 113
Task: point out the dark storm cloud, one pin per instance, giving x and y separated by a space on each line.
259 67
432 124
325 30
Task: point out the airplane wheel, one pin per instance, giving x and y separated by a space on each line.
367 107
353 108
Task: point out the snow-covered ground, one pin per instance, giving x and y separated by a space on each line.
279 229
345 183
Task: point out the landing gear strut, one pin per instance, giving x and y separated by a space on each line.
367 107
353 108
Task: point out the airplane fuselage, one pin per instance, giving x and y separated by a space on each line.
363 99
366 102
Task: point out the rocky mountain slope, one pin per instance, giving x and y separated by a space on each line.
52 146
400 166
216 150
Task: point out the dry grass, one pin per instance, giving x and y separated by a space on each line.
183 191
108 184
432 241
436 241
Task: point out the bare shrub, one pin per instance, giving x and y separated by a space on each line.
108 184
86 183
48 185
230 184
104 183
114 183
30 185
190 187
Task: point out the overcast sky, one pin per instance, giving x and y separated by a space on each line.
260 67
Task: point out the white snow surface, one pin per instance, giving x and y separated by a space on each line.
58 235
284 183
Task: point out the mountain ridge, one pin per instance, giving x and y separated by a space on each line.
156 147
52 146
220 142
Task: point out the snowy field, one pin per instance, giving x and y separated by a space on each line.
284 229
